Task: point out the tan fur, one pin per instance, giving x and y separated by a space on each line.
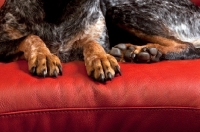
97 61
164 45
12 32
38 55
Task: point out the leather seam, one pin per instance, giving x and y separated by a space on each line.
92 110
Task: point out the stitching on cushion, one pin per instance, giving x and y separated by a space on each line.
17 114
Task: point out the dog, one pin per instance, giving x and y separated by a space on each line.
48 32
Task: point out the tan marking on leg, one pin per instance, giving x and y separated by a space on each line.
33 45
162 48
12 32
163 44
166 49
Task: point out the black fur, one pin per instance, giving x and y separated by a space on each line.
56 22
172 19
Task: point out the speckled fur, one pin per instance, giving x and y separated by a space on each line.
61 23
175 20
70 20
166 18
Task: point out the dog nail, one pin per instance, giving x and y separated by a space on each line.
55 73
118 71
110 76
101 78
60 70
33 70
118 59
44 73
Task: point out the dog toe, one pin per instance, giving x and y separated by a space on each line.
45 65
53 65
121 46
102 67
116 52
148 55
143 57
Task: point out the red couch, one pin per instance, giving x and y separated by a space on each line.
157 97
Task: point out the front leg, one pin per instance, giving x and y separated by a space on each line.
40 61
99 65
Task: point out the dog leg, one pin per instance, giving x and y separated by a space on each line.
99 65
40 61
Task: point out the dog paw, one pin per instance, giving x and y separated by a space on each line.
45 65
132 53
102 67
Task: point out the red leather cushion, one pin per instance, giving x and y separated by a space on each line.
167 83
159 96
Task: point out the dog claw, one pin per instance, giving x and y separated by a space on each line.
43 73
33 71
118 71
60 70
110 76
101 78
55 73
